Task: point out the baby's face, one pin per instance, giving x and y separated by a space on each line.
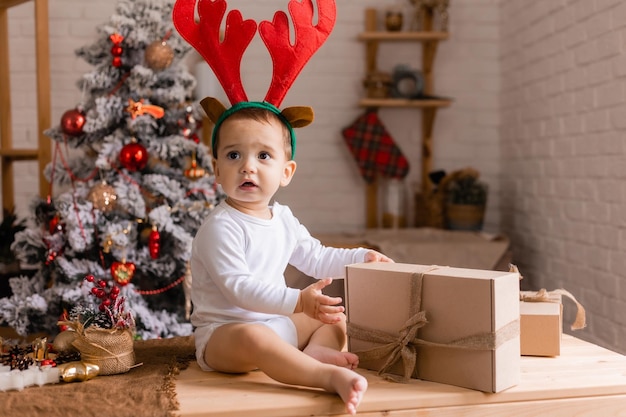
252 163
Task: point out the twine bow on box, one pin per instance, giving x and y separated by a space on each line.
403 345
544 296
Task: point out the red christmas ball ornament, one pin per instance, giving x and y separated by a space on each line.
134 156
72 122
154 243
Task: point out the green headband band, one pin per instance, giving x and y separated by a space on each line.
256 105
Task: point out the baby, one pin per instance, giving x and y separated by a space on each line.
245 316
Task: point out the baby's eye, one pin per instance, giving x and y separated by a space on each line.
232 155
264 155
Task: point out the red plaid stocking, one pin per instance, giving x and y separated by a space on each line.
374 149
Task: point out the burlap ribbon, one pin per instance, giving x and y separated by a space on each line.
403 345
545 296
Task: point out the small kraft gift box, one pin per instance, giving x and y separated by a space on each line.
541 321
450 325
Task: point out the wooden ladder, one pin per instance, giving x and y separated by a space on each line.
9 154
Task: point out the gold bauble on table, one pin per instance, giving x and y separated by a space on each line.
158 55
103 197
78 371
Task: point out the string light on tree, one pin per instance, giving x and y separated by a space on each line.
189 125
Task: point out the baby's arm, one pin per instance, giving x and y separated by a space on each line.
317 305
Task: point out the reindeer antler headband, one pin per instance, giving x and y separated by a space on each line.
225 56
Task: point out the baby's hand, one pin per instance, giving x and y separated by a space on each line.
373 256
317 305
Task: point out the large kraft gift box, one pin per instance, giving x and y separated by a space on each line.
442 324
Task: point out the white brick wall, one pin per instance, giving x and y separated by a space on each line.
327 178
539 99
563 146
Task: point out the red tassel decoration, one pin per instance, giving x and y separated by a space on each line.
116 49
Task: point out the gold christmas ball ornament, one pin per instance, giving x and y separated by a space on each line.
158 55
78 371
63 341
103 197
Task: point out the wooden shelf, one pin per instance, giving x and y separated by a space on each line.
397 102
5 4
403 36
19 154
430 40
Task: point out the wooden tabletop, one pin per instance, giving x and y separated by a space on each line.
586 380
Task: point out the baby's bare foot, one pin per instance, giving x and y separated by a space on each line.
350 386
333 357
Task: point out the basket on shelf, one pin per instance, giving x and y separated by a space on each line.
453 201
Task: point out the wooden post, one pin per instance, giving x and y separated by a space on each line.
8 155
6 129
371 192
43 91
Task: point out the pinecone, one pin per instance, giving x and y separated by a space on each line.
102 320
67 356
22 363
17 358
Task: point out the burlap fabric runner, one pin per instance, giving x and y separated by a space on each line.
146 390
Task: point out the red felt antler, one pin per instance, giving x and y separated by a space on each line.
289 59
223 57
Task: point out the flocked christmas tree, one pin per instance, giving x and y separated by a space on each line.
130 184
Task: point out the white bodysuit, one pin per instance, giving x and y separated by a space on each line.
238 263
